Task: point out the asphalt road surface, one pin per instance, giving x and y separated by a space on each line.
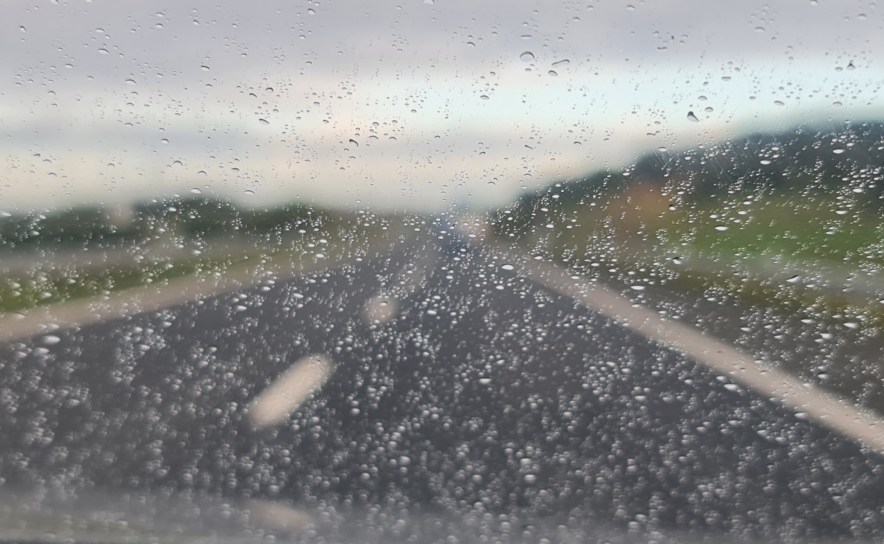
453 388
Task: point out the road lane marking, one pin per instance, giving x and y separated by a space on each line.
274 405
380 309
278 516
824 408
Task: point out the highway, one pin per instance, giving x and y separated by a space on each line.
433 379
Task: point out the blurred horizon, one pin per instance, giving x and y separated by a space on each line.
415 105
248 201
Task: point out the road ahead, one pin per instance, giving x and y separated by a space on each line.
455 386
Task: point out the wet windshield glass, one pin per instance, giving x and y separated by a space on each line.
441 271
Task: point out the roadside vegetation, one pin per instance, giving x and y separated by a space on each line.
57 256
772 242
802 199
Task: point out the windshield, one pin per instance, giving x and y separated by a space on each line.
441 271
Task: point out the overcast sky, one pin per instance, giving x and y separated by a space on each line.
404 104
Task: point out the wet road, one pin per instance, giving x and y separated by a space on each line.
474 393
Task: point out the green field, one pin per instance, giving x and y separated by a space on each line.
810 230
793 228
637 232
49 285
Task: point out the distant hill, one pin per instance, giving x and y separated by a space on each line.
848 159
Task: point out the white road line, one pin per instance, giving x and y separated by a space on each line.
278 516
292 388
379 309
826 409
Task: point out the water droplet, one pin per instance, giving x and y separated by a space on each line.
311 11
51 339
177 163
837 151
526 36
553 73
164 140
354 142
130 82
530 479
103 51
201 173
196 191
850 66
765 162
268 90
793 279
759 29
630 7
485 381
692 118
204 68
23 29
264 121
563 62
527 56
779 103
249 192
720 227
508 267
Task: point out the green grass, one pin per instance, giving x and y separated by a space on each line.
809 229
640 229
53 286
795 228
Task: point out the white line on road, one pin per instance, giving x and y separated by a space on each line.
824 408
292 388
278 516
380 309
